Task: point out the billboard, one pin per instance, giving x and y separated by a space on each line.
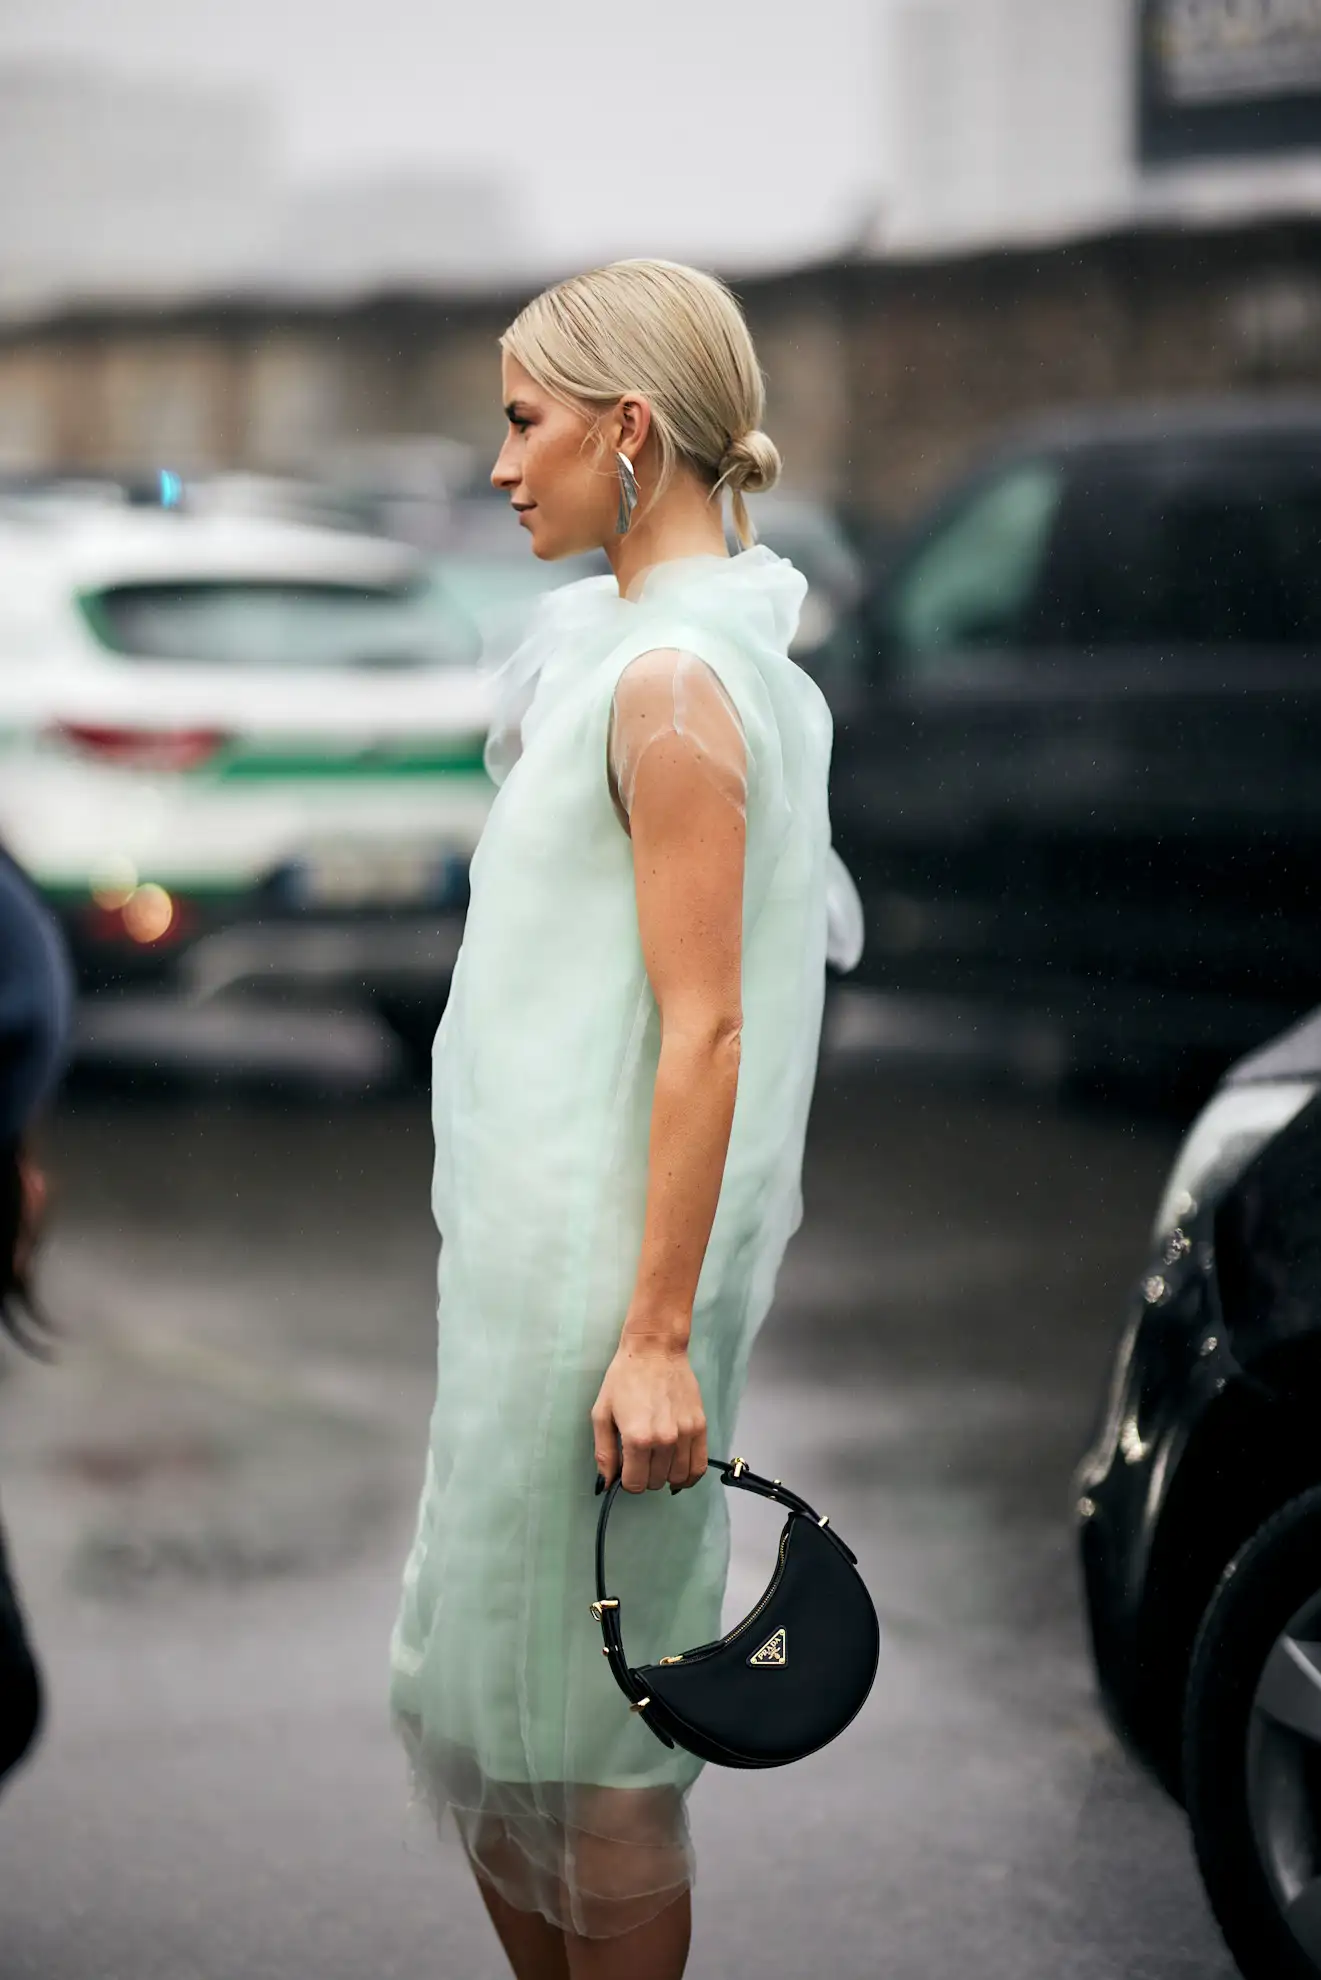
1220 78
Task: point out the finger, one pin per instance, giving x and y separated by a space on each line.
637 1467
680 1463
662 1456
698 1462
605 1449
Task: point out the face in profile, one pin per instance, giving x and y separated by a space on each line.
564 487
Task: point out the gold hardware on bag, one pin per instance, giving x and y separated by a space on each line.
673 1660
739 1466
596 1607
639 1705
824 1520
774 1651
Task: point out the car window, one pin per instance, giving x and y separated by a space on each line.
1219 554
280 624
971 581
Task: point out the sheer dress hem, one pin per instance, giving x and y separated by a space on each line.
593 1861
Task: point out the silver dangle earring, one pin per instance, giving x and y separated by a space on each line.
628 493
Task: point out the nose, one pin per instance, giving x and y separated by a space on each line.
504 474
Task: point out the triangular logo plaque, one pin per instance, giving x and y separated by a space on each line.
773 1653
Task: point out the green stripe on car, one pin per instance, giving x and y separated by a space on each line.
463 759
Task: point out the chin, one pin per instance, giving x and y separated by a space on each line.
550 544
550 552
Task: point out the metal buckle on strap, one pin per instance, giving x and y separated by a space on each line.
606 1602
738 1467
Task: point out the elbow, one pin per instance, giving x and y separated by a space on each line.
727 1040
715 1033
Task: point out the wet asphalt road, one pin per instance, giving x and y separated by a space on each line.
210 1499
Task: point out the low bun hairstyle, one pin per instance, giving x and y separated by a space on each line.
676 337
750 465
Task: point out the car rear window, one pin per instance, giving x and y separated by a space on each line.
279 624
971 580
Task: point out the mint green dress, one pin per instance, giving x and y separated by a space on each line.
543 1071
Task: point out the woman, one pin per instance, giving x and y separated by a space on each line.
35 1003
620 1092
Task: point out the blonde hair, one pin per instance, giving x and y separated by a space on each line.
677 338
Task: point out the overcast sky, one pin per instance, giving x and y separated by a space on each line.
739 133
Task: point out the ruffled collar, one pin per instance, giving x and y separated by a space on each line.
755 597
762 591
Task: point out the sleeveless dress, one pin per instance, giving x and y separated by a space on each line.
543 1070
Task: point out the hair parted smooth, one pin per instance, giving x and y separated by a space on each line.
676 337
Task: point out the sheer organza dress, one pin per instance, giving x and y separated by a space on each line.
543 1072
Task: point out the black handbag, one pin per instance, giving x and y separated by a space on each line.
789 1677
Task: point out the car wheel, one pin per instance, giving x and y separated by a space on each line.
1252 1748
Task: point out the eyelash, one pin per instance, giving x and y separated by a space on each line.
520 425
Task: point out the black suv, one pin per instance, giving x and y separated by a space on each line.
1199 1506
1079 770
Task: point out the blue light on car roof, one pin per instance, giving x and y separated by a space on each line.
171 488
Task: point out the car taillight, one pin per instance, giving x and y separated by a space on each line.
142 749
146 915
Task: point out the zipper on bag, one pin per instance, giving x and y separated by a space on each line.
709 1649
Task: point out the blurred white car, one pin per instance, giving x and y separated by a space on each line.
238 751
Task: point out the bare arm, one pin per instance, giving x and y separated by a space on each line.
688 830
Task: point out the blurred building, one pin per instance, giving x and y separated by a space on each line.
1015 120
138 189
1084 199
1004 120
401 231
118 186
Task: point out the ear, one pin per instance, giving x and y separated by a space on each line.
634 418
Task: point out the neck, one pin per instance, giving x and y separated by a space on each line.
685 523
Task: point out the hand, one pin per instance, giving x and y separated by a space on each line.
650 1403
